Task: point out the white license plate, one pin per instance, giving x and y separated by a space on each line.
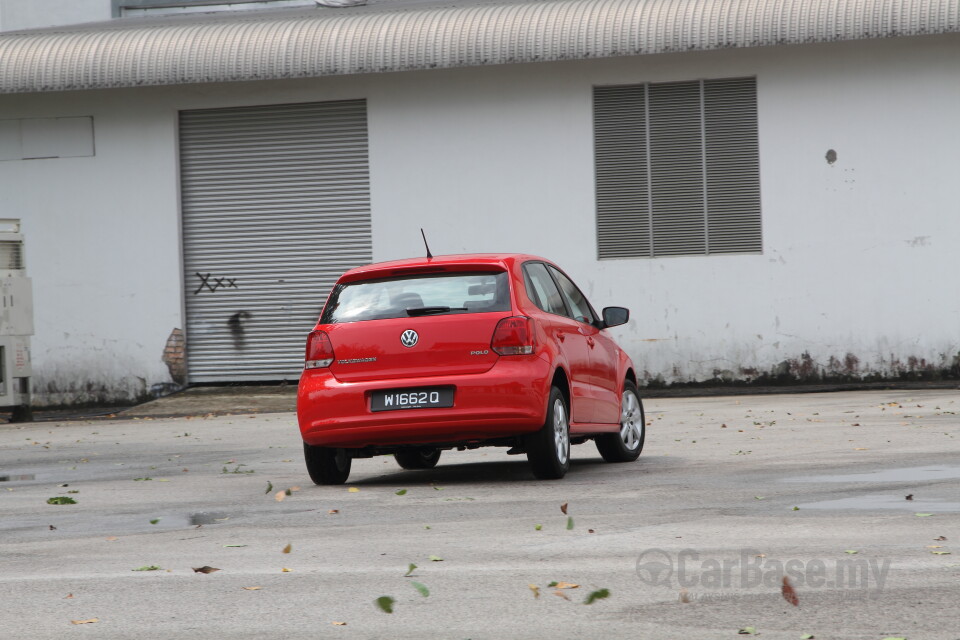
398 399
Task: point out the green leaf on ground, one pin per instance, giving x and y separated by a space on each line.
269 488
538 527
141 479
155 521
435 559
401 492
149 567
599 594
61 500
569 523
385 603
421 588
747 631
795 509
807 636
923 515
410 570
850 551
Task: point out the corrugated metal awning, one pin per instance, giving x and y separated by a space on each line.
400 36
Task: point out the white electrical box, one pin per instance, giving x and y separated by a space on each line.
16 321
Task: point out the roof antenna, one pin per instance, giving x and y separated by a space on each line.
429 255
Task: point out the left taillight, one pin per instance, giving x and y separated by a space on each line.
319 351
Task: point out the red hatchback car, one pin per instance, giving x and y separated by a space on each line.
416 356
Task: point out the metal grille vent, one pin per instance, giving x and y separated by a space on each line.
276 205
677 169
11 255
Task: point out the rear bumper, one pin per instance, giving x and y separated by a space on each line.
507 400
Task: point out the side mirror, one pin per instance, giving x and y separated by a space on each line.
615 316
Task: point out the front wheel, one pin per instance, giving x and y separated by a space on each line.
420 458
327 465
548 450
626 445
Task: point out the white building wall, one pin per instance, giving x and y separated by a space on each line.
858 256
34 14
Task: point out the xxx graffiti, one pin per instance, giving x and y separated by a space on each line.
215 283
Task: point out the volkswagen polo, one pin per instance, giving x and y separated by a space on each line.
414 357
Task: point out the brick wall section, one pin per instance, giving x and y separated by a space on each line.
173 356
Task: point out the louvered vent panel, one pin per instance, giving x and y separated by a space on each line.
623 215
11 254
276 205
733 166
676 169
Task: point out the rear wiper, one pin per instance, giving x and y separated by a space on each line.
426 311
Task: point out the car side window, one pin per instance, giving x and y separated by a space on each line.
575 299
542 290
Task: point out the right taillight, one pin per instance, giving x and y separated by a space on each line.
514 336
319 351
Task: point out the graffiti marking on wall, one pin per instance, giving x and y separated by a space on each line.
215 283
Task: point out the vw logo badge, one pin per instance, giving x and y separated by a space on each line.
409 338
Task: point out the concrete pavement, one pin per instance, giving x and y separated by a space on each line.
734 489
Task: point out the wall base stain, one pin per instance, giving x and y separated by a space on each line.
805 370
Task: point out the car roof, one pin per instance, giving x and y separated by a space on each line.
499 261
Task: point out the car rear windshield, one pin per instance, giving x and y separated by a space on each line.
418 295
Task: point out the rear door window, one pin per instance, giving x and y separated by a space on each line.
542 290
408 296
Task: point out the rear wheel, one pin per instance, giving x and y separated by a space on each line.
327 465
548 450
626 445
420 458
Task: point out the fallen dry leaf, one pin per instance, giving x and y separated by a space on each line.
908 497
285 570
280 496
566 585
68 596
535 589
353 490
561 594
333 511
205 569
298 489
338 624
52 528
941 539
788 592
563 508
252 588
89 621
684 596
112 539
288 548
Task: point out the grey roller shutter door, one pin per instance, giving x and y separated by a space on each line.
275 205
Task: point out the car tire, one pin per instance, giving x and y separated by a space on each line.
419 458
626 445
548 450
327 465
